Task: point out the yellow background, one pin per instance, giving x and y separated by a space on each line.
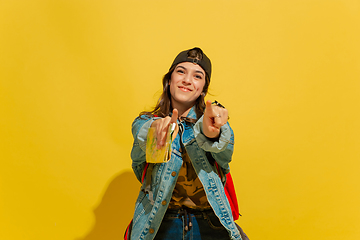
74 75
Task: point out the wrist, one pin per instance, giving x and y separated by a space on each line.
214 139
212 135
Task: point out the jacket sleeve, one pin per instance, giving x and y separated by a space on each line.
140 128
221 149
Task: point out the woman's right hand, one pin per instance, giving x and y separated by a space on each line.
162 127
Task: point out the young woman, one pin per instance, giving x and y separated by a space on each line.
184 198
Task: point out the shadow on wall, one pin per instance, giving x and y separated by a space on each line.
116 208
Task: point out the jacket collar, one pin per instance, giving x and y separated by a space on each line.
191 116
192 113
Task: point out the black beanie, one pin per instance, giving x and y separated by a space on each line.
184 57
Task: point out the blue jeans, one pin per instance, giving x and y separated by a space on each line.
204 225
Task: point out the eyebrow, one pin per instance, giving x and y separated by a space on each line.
195 70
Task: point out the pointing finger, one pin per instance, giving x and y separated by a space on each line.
208 105
209 110
174 116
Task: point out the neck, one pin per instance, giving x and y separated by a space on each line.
182 110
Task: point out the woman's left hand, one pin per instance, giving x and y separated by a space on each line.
214 118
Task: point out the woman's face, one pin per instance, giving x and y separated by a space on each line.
186 84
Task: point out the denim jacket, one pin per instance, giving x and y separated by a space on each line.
202 152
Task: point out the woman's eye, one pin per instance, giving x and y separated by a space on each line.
180 71
198 76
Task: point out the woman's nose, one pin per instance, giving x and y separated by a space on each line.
187 78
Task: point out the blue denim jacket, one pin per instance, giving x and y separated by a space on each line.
148 216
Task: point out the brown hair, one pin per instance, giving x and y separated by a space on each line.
163 107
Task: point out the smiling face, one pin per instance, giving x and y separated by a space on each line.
186 84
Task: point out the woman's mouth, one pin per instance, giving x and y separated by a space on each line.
185 89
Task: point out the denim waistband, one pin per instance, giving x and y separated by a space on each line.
179 212
186 214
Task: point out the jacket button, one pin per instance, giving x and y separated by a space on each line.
151 230
163 202
173 174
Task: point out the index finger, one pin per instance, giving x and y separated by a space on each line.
208 106
174 116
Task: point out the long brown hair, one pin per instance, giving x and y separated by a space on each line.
163 106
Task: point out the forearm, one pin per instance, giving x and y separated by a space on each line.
222 148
